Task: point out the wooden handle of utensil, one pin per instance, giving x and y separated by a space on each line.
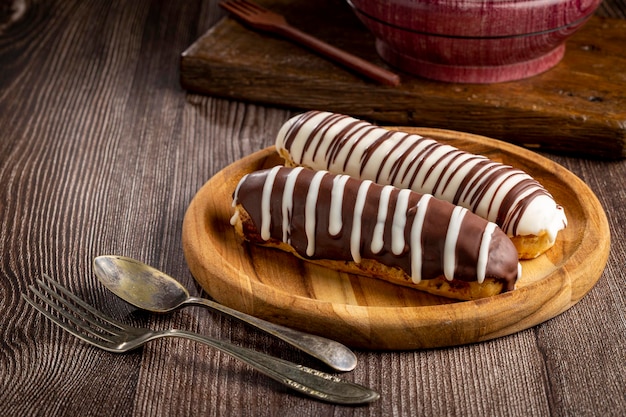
348 60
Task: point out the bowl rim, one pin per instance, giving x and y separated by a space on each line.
455 32
569 25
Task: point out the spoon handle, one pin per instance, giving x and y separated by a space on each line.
332 353
311 382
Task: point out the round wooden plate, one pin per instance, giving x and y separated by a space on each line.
373 314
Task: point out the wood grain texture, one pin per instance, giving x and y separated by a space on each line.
101 151
368 314
575 108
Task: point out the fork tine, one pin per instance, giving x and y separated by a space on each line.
253 7
80 318
84 317
242 7
114 325
233 8
99 342
230 6
70 313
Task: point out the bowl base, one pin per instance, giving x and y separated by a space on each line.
470 74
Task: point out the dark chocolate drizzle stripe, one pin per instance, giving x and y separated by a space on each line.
484 179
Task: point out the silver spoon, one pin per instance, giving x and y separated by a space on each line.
150 289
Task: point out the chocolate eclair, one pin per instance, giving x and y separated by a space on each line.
361 227
507 196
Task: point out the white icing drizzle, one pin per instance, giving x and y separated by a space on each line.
449 253
416 239
236 193
310 206
355 237
483 252
335 222
287 203
235 217
399 222
381 218
265 203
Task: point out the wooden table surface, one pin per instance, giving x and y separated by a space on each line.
101 152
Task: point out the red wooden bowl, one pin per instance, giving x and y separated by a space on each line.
473 41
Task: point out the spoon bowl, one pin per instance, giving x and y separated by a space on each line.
150 289
139 284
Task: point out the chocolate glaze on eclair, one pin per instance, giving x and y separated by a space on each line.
339 218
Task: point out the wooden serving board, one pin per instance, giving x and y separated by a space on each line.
578 107
369 313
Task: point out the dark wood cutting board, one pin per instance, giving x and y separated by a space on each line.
578 107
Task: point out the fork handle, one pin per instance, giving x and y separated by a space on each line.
340 56
332 353
313 383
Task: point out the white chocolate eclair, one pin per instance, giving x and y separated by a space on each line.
507 196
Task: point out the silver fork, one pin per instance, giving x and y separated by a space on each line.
88 324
